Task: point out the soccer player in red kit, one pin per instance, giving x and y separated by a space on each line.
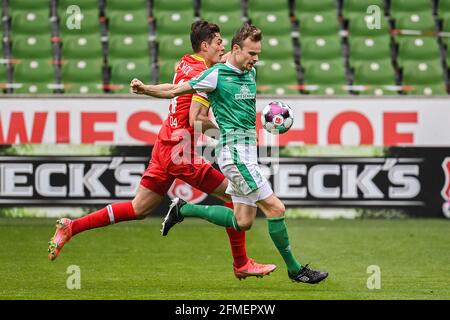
174 156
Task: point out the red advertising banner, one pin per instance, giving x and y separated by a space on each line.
136 121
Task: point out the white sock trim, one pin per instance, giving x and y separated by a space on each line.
110 213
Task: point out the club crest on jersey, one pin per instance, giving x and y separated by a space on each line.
244 93
446 189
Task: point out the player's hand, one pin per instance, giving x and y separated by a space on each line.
137 87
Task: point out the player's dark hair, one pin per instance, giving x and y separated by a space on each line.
246 31
202 31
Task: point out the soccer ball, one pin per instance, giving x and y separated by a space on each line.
277 117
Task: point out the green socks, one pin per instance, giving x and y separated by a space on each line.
224 217
219 215
279 235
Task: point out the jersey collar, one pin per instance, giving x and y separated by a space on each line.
198 58
229 65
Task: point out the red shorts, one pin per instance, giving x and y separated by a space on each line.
170 161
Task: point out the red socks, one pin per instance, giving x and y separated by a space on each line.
237 243
124 211
111 214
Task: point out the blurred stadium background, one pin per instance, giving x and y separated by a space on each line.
320 47
368 82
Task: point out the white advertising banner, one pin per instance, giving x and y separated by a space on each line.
136 121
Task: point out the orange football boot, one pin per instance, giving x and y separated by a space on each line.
62 235
253 269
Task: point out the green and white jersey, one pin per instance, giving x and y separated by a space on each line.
232 95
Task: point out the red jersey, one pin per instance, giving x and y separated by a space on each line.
190 66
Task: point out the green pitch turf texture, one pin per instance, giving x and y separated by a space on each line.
132 261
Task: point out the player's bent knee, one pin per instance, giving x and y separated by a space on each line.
244 224
278 210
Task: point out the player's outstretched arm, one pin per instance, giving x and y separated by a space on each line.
164 91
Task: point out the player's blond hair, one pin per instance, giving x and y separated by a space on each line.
246 31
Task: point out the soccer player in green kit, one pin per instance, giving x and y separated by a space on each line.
231 90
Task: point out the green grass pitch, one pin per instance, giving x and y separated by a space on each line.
132 261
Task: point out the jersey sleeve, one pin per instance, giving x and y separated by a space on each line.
201 97
206 82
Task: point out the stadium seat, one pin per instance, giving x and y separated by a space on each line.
418 49
83 88
446 29
363 50
123 71
128 5
278 90
89 23
84 5
274 48
214 6
358 8
268 6
448 55
325 73
358 27
83 71
428 90
277 75
81 47
428 77
171 48
167 70
129 46
416 21
229 22
448 58
272 23
3 77
374 73
82 76
24 5
446 24
128 22
385 90
320 49
30 22
164 5
444 9
31 47
34 88
319 25
34 75
174 22
312 7
327 90
400 7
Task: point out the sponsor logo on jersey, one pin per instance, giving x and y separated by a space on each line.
245 93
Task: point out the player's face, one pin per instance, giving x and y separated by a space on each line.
215 49
247 56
